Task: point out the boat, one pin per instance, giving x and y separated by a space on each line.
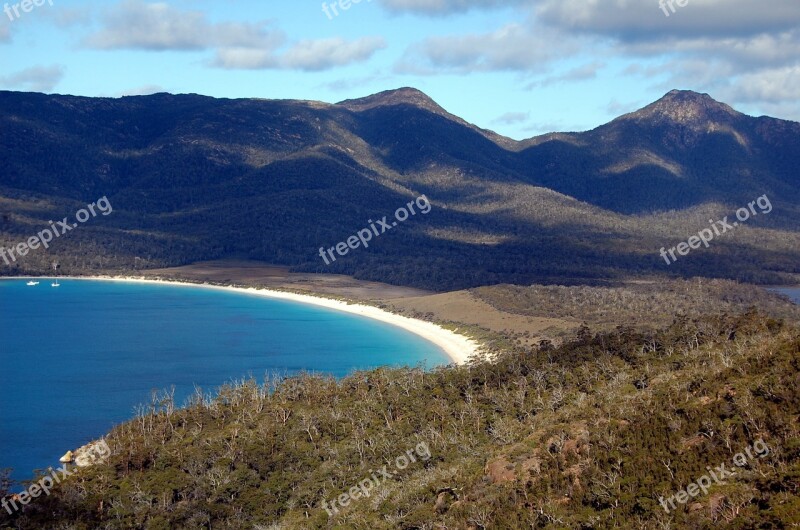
31 283
55 268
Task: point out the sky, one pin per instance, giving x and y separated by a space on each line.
518 67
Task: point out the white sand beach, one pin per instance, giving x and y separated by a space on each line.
458 347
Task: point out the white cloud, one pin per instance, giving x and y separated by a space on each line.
737 49
351 83
315 55
36 79
580 73
752 52
244 59
309 55
629 20
512 47
144 90
746 51
769 86
510 118
65 17
743 52
138 25
446 7
541 128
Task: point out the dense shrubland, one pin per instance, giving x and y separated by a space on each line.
193 178
651 303
586 435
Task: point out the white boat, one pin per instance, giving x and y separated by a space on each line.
55 284
33 283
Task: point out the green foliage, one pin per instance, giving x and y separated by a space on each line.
586 435
651 304
193 178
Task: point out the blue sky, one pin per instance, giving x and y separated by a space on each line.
519 67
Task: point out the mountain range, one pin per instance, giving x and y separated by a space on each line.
193 177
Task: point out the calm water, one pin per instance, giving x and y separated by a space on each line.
793 293
76 360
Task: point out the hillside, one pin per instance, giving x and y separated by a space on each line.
602 433
196 178
681 151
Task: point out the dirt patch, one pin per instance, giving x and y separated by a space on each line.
458 306
259 274
464 307
500 471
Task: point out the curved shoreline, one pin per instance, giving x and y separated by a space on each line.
458 348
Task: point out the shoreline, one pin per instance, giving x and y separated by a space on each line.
458 348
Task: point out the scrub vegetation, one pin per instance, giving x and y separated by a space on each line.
586 435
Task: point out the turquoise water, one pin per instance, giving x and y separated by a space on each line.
76 360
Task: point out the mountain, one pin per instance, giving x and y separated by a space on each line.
193 177
683 150
418 99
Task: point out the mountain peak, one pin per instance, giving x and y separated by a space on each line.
400 96
416 98
684 107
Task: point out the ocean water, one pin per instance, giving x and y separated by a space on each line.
76 360
791 292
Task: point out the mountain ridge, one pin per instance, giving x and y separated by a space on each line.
190 170
684 107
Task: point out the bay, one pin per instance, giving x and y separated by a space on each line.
791 292
77 359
